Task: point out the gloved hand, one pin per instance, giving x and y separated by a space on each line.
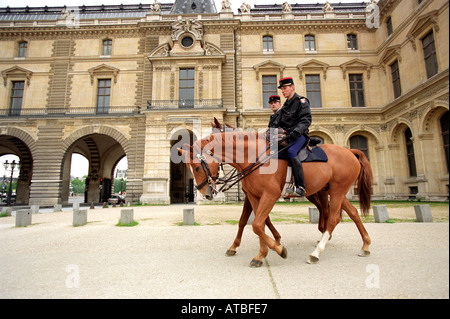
294 135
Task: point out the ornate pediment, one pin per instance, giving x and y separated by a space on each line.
171 49
422 24
16 72
313 65
356 65
392 53
181 27
103 70
269 65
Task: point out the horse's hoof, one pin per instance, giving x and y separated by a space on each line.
284 253
364 253
255 263
231 253
312 259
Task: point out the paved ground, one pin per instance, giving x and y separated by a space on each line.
158 259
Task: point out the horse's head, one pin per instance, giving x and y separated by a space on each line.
204 167
217 127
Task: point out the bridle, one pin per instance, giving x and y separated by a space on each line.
234 176
209 178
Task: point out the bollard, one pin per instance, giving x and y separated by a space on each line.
380 213
188 216
57 208
7 211
313 215
76 206
35 209
126 216
104 205
79 217
23 217
92 206
423 213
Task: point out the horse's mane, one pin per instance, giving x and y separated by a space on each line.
230 137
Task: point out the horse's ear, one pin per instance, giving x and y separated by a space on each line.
218 125
188 148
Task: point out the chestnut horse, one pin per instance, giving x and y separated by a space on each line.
263 186
319 199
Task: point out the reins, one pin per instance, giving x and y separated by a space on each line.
236 176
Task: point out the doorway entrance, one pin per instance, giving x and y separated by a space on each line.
181 179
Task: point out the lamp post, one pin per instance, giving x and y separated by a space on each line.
13 166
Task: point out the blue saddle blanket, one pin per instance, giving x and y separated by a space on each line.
316 154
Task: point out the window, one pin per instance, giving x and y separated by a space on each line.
429 52
396 79
269 83
310 42
16 97
267 43
103 96
22 52
357 90
107 47
390 29
352 42
187 42
410 153
313 90
359 142
187 86
444 130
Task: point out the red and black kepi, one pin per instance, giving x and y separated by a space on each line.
285 82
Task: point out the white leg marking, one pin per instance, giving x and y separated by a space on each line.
321 246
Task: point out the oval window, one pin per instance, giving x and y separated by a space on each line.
187 42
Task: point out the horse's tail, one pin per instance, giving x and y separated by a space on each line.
365 180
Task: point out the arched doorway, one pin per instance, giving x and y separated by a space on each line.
103 153
13 148
181 179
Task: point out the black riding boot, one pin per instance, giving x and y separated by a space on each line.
297 171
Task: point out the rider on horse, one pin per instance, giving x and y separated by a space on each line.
295 118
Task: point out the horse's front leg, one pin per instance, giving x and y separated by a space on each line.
261 214
245 215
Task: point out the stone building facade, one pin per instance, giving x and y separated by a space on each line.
132 80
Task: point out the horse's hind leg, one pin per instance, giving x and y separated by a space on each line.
333 220
352 212
275 233
245 215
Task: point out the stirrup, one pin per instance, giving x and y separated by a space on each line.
296 191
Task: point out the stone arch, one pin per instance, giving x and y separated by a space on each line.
432 115
368 132
399 128
101 129
103 146
20 143
324 134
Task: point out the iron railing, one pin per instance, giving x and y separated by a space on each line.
71 111
184 104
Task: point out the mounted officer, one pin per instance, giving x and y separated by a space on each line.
294 117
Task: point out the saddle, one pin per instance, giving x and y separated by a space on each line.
309 152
